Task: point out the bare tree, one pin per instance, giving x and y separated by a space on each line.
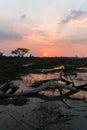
20 51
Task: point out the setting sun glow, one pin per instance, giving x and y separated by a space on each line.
45 54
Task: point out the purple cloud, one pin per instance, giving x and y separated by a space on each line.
4 35
74 15
23 16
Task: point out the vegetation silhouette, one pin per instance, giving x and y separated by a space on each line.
20 52
1 54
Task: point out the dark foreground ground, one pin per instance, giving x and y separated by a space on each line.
35 113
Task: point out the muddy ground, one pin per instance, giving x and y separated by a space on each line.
37 114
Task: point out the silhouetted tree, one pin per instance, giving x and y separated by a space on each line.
31 55
20 51
1 54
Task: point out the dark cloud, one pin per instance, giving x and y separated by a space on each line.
4 35
23 16
74 15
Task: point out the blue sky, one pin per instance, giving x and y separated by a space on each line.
55 27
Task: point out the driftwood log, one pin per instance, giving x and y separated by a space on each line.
48 85
42 86
45 86
9 88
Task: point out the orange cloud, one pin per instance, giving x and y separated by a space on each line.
41 41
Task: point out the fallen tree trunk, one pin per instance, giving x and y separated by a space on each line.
46 85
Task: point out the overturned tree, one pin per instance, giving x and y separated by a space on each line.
9 90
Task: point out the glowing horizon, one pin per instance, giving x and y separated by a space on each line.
44 26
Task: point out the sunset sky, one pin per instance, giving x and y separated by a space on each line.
46 27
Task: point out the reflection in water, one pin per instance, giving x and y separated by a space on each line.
27 80
81 79
31 78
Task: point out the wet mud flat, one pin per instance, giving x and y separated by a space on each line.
37 114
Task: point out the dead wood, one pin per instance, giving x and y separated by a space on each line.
42 86
46 85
